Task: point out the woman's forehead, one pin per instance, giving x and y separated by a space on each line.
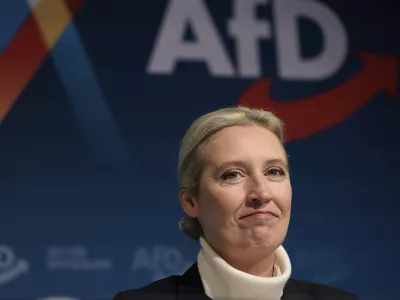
243 142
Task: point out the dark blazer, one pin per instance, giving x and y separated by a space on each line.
189 287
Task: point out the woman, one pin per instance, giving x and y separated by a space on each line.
235 190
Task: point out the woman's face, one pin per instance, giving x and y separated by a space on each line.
244 197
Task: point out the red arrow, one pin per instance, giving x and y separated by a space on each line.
22 57
304 117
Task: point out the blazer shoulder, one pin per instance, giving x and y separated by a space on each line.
321 291
165 288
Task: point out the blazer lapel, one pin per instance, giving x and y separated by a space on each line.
295 291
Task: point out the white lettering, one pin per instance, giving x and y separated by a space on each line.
247 30
7 257
142 260
290 63
172 259
157 259
170 47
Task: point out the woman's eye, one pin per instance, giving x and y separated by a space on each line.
275 172
231 175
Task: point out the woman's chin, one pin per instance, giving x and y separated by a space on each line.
260 237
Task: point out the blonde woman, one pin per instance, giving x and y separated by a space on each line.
236 193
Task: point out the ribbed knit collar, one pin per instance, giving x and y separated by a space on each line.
222 281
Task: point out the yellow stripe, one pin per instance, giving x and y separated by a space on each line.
52 16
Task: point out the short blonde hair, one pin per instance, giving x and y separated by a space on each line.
190 163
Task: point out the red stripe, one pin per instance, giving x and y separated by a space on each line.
18 62
74 5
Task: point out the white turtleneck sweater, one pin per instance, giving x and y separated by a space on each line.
222 281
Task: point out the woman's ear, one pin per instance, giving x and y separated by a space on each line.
189 203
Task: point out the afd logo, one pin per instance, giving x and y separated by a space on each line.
320 111
10 266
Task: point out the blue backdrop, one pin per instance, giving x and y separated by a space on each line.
95 96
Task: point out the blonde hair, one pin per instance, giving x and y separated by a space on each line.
190 163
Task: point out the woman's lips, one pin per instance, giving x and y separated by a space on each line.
260 215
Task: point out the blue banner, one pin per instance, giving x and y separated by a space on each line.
96 95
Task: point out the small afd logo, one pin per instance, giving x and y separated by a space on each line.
11 267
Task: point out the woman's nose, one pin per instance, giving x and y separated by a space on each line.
258 193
